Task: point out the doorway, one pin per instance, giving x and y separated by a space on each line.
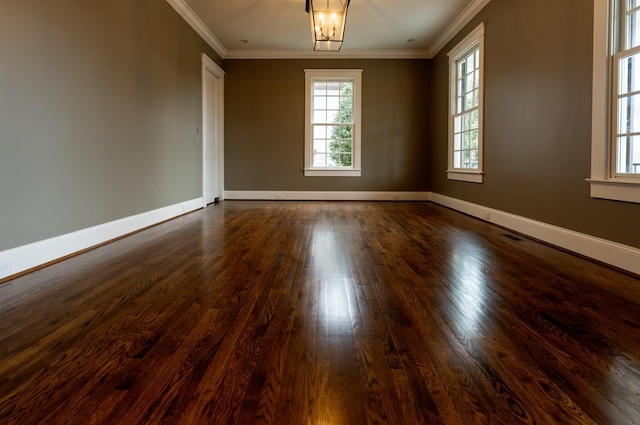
212 131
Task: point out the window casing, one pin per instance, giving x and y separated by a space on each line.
466 78
615 140
332 123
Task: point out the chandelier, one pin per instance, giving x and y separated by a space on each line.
328 20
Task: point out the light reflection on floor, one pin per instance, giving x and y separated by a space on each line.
469 284
330 269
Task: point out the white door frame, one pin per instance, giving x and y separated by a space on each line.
209 65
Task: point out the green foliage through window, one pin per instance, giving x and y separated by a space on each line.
340 146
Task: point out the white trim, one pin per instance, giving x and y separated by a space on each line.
198 26
271 195
33 255
465 176
603 184
354 76
600 97
211 66
342 54
475 37
617 189
469 44
335 172
456 26
615 254
29 256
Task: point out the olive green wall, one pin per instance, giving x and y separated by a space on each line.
99 102
538 72
264 126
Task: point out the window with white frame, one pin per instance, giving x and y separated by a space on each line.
466 108
615 157
332 125
626 83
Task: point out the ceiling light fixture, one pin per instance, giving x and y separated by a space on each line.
327 23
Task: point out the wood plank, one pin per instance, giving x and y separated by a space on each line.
321 312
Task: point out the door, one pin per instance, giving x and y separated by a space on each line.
212 134
211 184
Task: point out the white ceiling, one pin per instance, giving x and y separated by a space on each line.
280 28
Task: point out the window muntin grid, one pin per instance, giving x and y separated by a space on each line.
626 107
466 119
332 124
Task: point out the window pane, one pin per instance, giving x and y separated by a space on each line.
319 160
466 159
457 124
319 132
470 64
474 139
333 89
330 130
469 101
628 155
333 102
319 89
466 122
456 142
319 102
474 158
457 162
320 145
319 116
629 114
471 81
629 74
345 160
633 34
462 69
341 145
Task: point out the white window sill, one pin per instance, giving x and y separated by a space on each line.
465 176
627 190
331 172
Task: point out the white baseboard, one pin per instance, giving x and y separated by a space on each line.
615 254
26 257
17 260
325 196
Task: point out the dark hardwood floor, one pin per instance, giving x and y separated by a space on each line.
321 313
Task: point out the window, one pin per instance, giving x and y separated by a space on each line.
466 108
332 127
615 140
626 83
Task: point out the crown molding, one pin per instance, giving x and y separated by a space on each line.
457 25
310 54
196 23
